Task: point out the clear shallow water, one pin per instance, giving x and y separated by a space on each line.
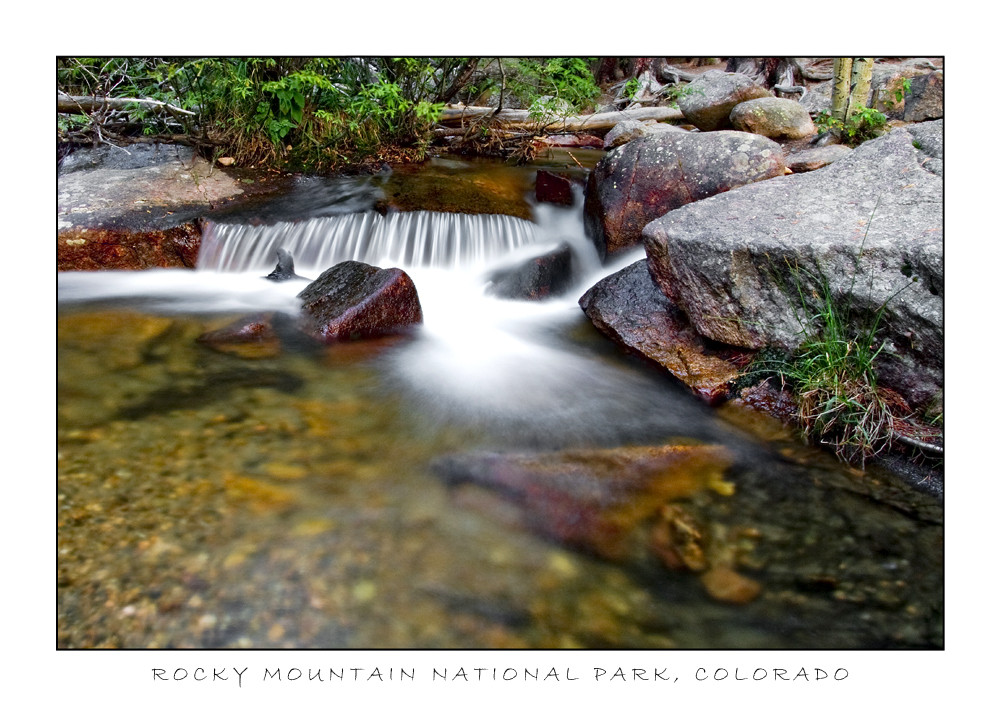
294 498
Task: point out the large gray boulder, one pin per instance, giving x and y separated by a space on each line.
650 176
709 99
749 267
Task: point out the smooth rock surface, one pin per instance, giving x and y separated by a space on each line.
777 118
709 99
354 300
650 176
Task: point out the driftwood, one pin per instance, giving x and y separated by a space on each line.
514 120
88 104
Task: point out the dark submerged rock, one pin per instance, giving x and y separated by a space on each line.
354 300
650 176
549 274
592 499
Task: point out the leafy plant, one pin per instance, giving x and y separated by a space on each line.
860 126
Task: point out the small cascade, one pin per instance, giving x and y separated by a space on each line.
411 239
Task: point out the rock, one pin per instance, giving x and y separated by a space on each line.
628 130
629 308
553 188
285 269
592 499
354 300
141 189
652 175
778 118
549 274
102 248
926 99
678 540
928 137
816 158
818 98
745 266
623 132
710 98
251 336
726 585
888 94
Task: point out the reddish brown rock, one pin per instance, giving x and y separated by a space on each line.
631 310
354 300
653 175
252 336
593 499
91 249
552 188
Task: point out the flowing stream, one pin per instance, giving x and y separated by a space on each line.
290 497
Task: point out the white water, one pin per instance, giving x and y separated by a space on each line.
476 359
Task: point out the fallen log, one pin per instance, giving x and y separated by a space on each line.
78 104
513 120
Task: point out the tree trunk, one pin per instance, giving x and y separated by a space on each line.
861 83
89 104
841 89
521 119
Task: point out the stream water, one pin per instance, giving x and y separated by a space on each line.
292 497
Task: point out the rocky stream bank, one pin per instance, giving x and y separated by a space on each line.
731 241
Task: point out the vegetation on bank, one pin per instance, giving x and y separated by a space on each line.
311 113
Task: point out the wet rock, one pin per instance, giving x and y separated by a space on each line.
726 585
747 266
552 188
92 249
549 274
629 308
592 499
354 300
249 337
778 118
285 269
653 175
710 98
777 403
677 539
817 158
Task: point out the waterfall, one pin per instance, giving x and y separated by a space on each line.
411 239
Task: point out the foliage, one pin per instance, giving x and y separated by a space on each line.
316 113
903 90
860 126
